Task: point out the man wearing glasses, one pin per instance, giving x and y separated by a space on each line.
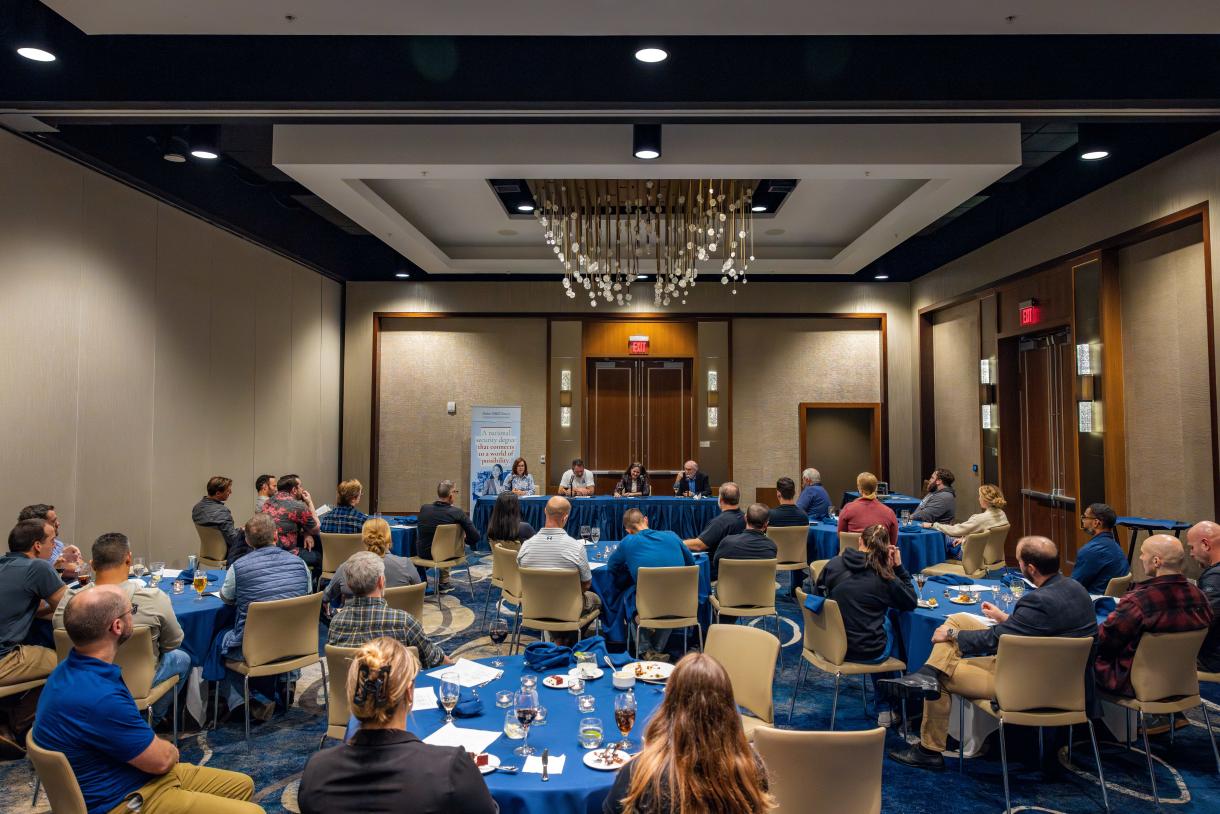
441 512
1100 560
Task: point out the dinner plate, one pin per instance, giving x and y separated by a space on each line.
596 760
493 763
969 600
593 676
652 671
558 681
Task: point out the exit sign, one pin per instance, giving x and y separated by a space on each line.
637 345
1031 313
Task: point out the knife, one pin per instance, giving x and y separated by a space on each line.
546 754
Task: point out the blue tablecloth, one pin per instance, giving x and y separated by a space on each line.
200 620
1153 524
618 605
684 516
894 500
579 789
402 537
920 547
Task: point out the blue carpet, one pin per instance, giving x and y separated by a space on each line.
1186 771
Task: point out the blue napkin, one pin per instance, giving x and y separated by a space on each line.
186 574
951 579
814 603
597 646
540 656
1105 604
469 704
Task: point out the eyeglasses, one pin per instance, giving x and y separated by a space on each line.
132 610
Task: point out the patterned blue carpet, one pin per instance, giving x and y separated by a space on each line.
1186 771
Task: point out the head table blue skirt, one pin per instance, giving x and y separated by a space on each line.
920 547
684 516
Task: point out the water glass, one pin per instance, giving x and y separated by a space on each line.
596 534
158 570
585 533
591 733
138 567
504 700
586 703
906 517
512 729
179 586
586 664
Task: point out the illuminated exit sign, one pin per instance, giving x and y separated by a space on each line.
637 345
1031 313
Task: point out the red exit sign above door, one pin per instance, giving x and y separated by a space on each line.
637 345
1031 313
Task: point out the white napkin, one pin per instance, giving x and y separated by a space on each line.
323 510
170 573
472 740
470 673
593 566
425 698
533 764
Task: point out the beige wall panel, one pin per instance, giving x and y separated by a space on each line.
566 342
1169 444
305 392
777 364
955 346
329 382
713 355
271 288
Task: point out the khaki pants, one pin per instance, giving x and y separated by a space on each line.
969 678
26 663
188 789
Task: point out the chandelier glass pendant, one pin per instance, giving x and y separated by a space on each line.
606 233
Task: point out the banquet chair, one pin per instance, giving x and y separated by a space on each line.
748 655
1039 681
336 548
1165 679
791 543
338 711
409 598
55 774
972 562
9 691
448 551
994 558
747 588
825 648
668 598
847 541
552 600
497 579
281 635
1119 585
510 582
212 547
806 770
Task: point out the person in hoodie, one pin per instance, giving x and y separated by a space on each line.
939 505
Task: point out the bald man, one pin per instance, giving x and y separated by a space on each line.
963 653
691 482
551 547
1204 542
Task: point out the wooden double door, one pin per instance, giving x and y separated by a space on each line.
639 410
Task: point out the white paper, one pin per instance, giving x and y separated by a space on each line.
322 510
470 673
170 573
533 764
215 594
593 566
400 526
980 618
425 698
974 589
472 740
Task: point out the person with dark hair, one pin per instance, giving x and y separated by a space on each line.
939 505
70 554
87 713
298 530
264 488
442 512
751 543
729 521
646 548
520 482
963 653
1100 559
786 513
577 481
506 525
634 482
211 511
345 518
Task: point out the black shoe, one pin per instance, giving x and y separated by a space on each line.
916 686
920 758
446 587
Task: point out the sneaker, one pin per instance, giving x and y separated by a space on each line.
886 718
916 686
980 752
920 758
446 587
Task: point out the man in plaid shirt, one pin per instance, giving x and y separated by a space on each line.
366 616
1166 603
345 518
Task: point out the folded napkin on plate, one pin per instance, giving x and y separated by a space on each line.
815 602
951 579
1105 604
469 704
547 656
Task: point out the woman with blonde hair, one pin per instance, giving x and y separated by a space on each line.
385 768
695 758
376 538
992 503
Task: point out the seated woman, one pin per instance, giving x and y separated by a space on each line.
384 767
506 525
992 503
376 537
634 482
678 770
520 481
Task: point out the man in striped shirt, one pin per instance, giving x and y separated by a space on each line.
551 547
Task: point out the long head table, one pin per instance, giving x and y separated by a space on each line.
684 516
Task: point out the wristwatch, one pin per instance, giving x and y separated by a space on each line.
952 634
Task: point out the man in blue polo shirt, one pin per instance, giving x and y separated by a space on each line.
87 713
646 548
1100 559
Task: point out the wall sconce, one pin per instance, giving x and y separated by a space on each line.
713 417
565 416
713 381
565 380
986 372
1086 360
990 417
1089 416
565 398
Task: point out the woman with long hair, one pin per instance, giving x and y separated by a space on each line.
506 525
376 536
992 505
634 482
385 768
519 480
695 758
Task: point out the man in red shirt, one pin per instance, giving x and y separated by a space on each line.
867 510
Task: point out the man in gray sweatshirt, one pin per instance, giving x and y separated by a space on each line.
940 503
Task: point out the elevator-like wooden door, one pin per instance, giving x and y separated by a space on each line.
639 410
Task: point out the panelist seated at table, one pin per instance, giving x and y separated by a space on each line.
963 653
867 510
814 500
992 505
644 547
506 525
551 547
385 767
751 543
1100 559
1204 541
519 480
691 482
939 505
729 521
399 571
577 481
634 482
787 513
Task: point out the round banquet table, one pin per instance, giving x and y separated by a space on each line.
579 788
684 516
920 547
202 619
402 536
895 500
618 603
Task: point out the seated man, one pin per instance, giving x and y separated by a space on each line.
1165 603
691 482
939 505
442 512
646 548
65 558
750 544
577 481
551 547
1100 559
366 615
814 500
211 511
1204 541
87 713
111 561
787 513
729 521
296 522
264 488
963 655
345 518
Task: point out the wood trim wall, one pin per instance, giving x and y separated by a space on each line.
1113 385
1205 223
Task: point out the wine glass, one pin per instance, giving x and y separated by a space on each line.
595 534
138 567
498 633
585 533
526 703
200 584
83 574
1017 586
624 717
450 691
921 579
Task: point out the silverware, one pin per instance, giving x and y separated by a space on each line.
609 663
508 769
546 755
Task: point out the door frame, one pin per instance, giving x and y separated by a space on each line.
802 413
688 362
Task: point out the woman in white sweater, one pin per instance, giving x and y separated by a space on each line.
992 503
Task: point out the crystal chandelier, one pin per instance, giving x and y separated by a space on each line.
605 234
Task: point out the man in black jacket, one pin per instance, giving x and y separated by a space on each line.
691 482
442 512
1204 541
750 544
963 655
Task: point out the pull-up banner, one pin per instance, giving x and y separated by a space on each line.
495 442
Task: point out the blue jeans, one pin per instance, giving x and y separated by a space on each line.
173 662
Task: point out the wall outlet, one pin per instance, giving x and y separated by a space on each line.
542 460
451 407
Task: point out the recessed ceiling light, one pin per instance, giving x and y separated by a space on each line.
758 208
882 277
206 155
652 55
174 157
36 54
525 207
1095 155
402 275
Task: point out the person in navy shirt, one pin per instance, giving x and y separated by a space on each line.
814 500
87 713
646 548
1100 560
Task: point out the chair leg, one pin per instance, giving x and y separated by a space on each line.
174 703
1208 721
247 708
779 636
470 583
37 787
1101 778
1004 767
864 693
796 686
486 602
1041 755
1148 754
216 705
834 705
1069 743
961 734
325 689
700 629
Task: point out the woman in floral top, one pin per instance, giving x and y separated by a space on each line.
520 481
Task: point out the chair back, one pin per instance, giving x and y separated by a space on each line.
281 629
338 710
824 632
790 543
848 540
1164 665
667 593
746 584
551 594
806 770
448 542
1119 585
336 548
993 553
505 559
63 643
135 659
497 578
212 547
409 598
973 549
511 545
748 654
53 769
1039 673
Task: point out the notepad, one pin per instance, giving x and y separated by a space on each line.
533 764
472 740
470 673
425 698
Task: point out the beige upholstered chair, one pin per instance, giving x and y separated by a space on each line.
55 773
336 548
749 656
994 557
510 582
1165 679
409 598
847 541
825 648
9 691
972 564
668 598
497 581
212 547
746 588
280 636
1119 585
448 551
1039 681
338 661
807 770
552 600
791 543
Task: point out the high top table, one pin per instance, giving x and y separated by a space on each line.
1148 525
684 516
